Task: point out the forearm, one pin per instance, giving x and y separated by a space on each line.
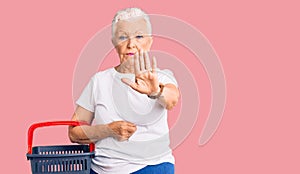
87 134
169 97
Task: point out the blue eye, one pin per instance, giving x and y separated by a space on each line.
139 36
122 38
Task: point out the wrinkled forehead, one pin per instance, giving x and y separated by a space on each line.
131 26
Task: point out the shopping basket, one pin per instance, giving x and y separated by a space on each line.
62 159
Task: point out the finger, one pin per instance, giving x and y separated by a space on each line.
129 83
147 61
131 124
154 64
122 138
126 81
142 61
136 63
131 64
131 130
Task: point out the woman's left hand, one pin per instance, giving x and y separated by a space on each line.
146 81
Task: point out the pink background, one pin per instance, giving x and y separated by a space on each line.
257 43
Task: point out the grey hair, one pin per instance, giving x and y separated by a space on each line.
128 13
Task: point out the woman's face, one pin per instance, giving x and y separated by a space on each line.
130 37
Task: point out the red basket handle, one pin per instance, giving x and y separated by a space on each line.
53 123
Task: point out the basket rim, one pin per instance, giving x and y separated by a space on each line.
35 155
63 145
59 155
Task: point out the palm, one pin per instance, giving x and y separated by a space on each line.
146 81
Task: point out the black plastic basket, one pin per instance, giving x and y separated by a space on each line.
63 159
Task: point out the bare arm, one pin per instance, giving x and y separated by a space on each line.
86 134
169 96
120 130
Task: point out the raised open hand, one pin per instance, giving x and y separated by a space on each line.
146 81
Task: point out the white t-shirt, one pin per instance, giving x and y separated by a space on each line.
111 100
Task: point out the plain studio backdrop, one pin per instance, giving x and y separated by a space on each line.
257 43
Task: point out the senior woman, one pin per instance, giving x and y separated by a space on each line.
128 105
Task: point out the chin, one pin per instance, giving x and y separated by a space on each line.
125 58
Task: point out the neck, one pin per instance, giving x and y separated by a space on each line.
126 67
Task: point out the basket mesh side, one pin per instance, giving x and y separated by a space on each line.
61 160
61 165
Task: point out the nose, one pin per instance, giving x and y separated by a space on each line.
131 43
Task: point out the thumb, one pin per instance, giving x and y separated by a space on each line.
129 82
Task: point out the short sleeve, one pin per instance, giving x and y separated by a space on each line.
87 97
166 76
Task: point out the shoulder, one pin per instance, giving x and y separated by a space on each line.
101 77
166 72
103 74
166 76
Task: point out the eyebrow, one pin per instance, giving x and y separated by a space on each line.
121 31
137 32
